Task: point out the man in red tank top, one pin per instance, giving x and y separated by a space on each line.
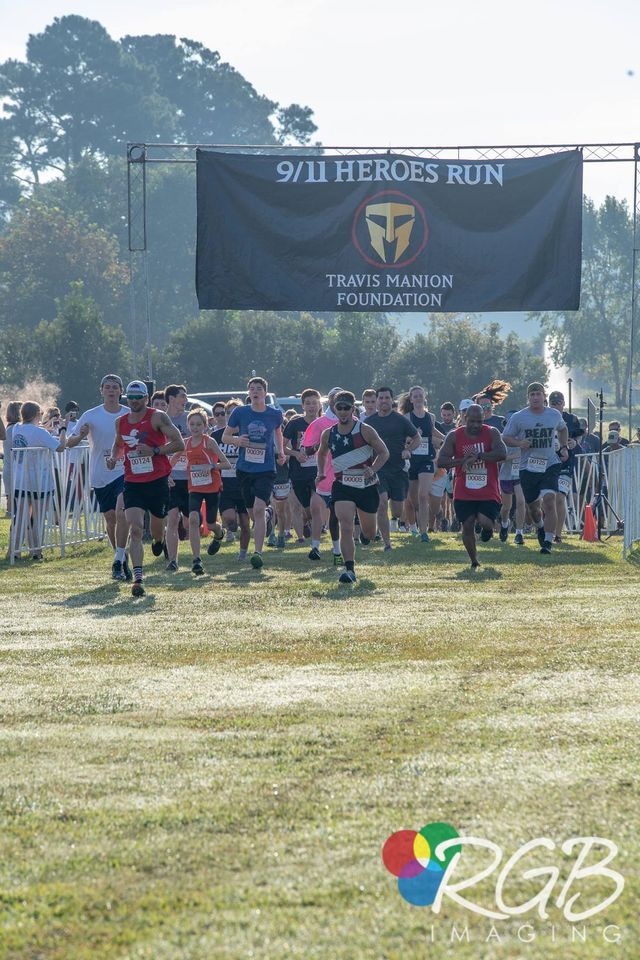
146 437
474 451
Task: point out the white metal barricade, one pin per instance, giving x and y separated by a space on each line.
631 496
584 490
53 506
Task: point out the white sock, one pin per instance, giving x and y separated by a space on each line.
336 546
505 523
540 524
315 544
121 554
519 530
548 537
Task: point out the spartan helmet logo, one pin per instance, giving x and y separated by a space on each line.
390 226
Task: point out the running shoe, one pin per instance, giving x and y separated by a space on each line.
504 534
281 542
425 538
128 572
378 537
414 531
272 540
455 526
337 560
117 571
300 540
557 539
256 561
474 567
37 558
157 546
137 590
486 535
230 536
402 527
347 576
214 546
197 567
546 547
518 540
364 541
541 535
387 546
444 525
172 566
314 554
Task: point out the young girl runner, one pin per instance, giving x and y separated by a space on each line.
204 462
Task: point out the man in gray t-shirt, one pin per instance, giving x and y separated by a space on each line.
534 430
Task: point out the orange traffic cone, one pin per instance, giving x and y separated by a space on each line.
590 531
204 529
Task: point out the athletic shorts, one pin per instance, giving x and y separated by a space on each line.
108 495
304 486
232 500
438 486
326 499
211 500
366 500
394 483
509 486
152 496
565 482
254 485
420 465
471 508
534 485
179 497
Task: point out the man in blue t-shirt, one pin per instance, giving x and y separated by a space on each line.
256 430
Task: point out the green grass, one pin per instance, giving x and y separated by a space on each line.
211 771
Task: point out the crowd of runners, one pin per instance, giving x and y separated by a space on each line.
355 470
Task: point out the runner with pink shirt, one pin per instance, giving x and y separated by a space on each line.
311 442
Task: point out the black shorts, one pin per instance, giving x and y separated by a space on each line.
211 500
471 508
366 500
231 496
420 465
107 496
304 485
179 497
254 485
394 483
152 496
534 483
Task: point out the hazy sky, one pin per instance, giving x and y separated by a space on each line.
413 72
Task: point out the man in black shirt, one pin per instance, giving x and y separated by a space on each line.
565 480
400 437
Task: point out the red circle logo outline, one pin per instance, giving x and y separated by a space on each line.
356 242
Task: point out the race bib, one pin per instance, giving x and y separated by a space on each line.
255 452
106 455
311 461
200 475
537 464
233 461
141 464
515 470
180 464
424 449
475 478
356 478
281 490
564 484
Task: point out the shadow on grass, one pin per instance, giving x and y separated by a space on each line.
109 600
482 573
503 553
345 591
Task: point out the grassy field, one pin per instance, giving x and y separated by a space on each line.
212 771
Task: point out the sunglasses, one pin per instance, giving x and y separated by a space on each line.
344 406
136 396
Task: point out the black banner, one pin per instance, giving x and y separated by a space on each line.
388 232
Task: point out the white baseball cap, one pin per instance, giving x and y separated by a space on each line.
465 404
137 386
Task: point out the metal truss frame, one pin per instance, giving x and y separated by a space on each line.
139 155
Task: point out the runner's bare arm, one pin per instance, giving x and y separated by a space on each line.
498 451
116 449
323 453
78 437
379 446
160 421
436 437
230 435
563 439
279 446
223 463
445 455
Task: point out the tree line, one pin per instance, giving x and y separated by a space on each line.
69 108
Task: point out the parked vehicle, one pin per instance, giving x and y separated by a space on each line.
221 396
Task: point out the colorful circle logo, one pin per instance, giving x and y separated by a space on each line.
410 856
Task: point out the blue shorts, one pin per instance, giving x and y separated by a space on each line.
107 496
